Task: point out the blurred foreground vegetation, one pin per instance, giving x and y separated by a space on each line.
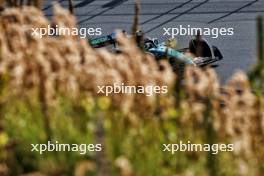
49 92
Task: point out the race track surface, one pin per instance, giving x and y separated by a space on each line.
239 50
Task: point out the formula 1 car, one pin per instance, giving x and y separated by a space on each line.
199 53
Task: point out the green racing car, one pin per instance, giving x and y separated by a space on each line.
198 53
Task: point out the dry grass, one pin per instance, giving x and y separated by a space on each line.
67 64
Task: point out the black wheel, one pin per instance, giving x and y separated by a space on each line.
200 48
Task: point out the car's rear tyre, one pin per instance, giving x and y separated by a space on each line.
200 48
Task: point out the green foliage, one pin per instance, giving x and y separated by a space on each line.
138 139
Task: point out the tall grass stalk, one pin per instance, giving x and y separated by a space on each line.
256 75
135 26
260 39
71 7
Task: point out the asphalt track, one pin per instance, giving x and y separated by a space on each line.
239 50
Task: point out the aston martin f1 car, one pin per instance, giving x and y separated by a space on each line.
199 53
